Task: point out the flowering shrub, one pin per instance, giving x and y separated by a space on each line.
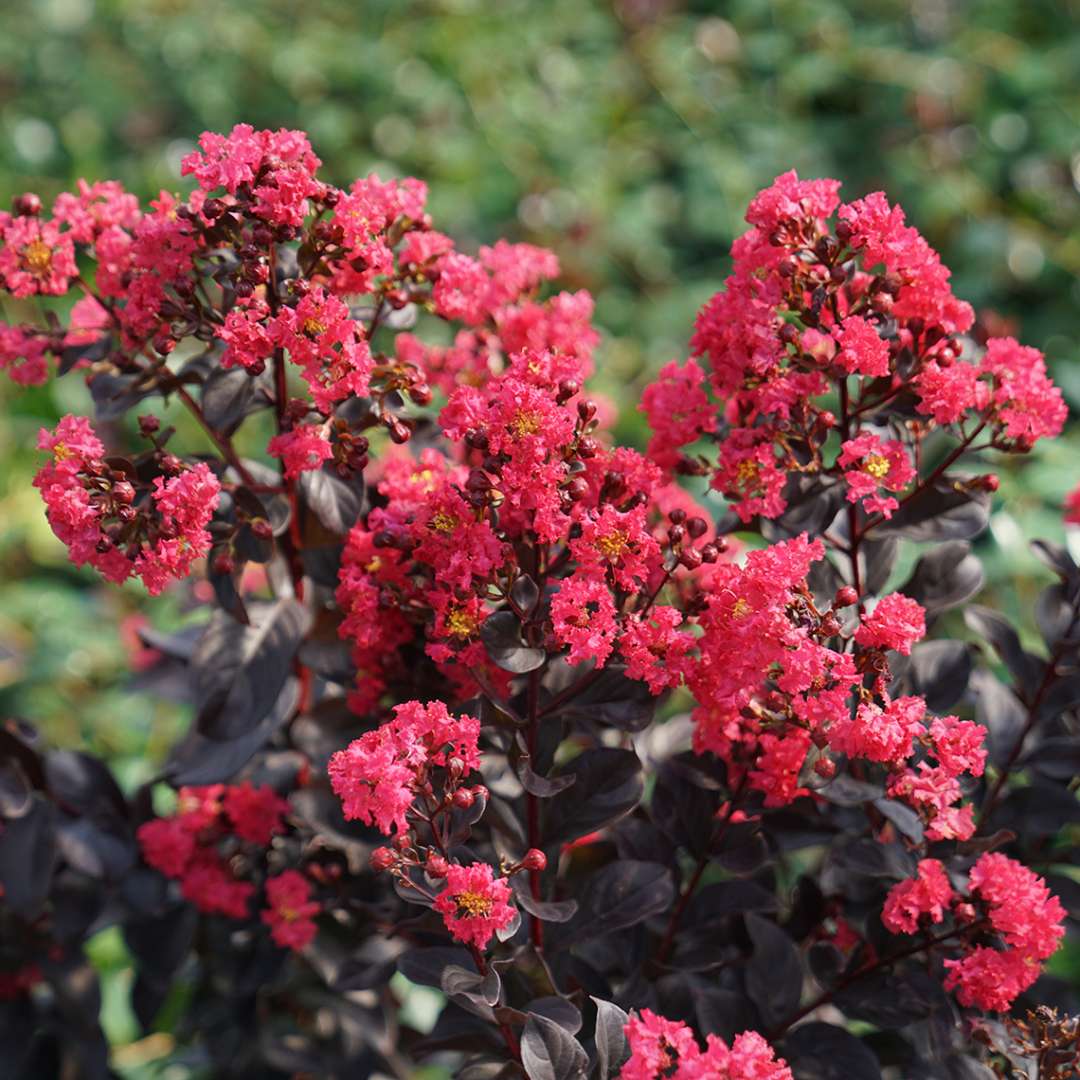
483 698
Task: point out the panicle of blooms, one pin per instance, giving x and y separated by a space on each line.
290 911
92 508
654 647
1027 919
661 1048
377 776
896 622
811 303
475 904
929 894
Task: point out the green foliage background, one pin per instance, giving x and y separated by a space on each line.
627 136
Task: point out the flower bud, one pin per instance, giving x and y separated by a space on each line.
691 558
382 858
26 205
403 841
845 597
534 859
677 517
123 491
710 553
437 866
262 528
464 798
577 489
148 424
825 767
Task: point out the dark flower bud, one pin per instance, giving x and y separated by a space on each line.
382 858
403 841
437 866
464 798
568 388
577 489
843 232
691 558
478 440
224 563
148 424
262 528
123 491
588 447
676 534
677 517
534 859
710 553
825 768
26 205
845 597
697 527
587 409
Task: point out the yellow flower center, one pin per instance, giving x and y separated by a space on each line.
747 471
443 522
37 258
461 623
613 544
62 452
525 423
876 466
288 913
313 328
740 608
373 564
473 905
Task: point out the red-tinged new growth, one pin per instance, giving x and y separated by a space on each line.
663 1049
290 911
475 904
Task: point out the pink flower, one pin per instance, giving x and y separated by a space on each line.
209 885
617 543
302 449
897 622
789 199
678 409
779 763
36 258
246 337
462 289
958 745
291 911
862 351
747 473
474 905
661 1049
166 845
877 734
22 355
654 648
583 616
255 812
376 776
929 893
1029 406
94 208
878 465
947 392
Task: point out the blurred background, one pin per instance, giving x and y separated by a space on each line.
627 136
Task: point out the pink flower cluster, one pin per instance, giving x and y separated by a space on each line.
378 776
104 519
809 306
1007 901
290 911
661 1049
185 847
